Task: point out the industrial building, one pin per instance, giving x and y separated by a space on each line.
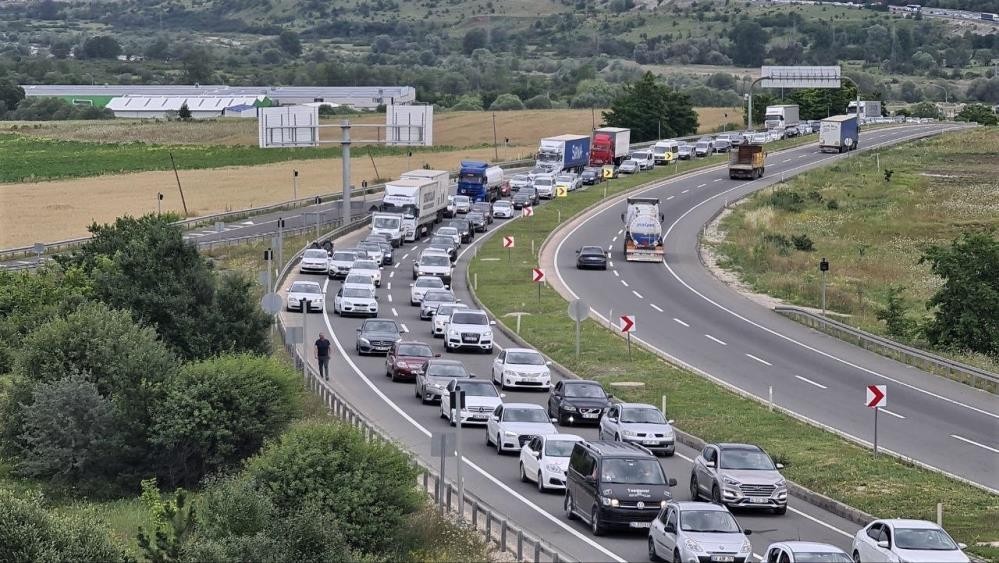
201 107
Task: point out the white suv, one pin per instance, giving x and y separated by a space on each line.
522 367
469 329
422 285
433 265
368 268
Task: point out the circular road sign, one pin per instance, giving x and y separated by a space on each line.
578 310
271 303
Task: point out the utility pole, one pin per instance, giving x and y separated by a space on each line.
495 148
305 338
345 145
824 267
294 184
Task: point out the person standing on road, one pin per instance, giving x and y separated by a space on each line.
323 355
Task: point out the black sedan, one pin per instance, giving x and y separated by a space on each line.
522 199
591 257
478 221
464 227
591 176
573 401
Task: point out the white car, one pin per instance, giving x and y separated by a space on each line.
433 265
450 232
421 286
912 541
572 182
628 167
639 424
306 291
315 261
644 158
442 317
522 367
759 138
368 268
698 531
545 459
434 298
545 186
804 552
502 209
355 301
462 203
362 281
513 424
469 329
481 399
340 263
518 181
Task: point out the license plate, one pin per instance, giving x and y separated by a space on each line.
722 558
758 500
479 417
639 524
468 339
650 442
589 415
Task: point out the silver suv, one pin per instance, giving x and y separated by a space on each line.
741 475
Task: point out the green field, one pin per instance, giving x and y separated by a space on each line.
872 232
814 458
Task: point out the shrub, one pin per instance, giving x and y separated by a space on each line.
778 242
802 242
897 322
832 205
468 102
786 200
815 196
506 102
540 101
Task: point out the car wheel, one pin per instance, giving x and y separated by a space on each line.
416 392
393 376
856 557
676 556
596 526
388 372
780 511
499 445
716 495
444 416
567 506
652 550
523 475
489 441
695 492
541 484
617 437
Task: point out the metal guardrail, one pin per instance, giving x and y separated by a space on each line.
969 375
498 530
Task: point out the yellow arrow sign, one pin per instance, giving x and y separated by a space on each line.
561 191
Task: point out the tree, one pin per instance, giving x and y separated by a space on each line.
540 101
475 38
101 47
468 102
198 65
10 95
984 90
651 110
594 94
897 322
749 42
172 520
220 411
184 112
506 102
926 109
290 43
979 113
966 307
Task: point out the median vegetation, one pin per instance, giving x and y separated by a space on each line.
814 458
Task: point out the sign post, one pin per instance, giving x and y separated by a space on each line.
877 398
538 276
508 244
457 401
442 444
824 267
527 211
280 245
627 327
578 310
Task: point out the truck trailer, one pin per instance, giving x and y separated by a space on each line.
839 133
782 117
564 153
746 161
868 108
479 181
411 206
643 230
610 145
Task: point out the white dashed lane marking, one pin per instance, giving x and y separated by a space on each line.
973 443
681 322
709 337
895 414
762 361
637 294
810 382
624 283
656 307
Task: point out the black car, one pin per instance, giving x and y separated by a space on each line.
532 192
377 336
591 257
574 400
478 221
485 208
591 176
615 484
464 227
523 198
446 244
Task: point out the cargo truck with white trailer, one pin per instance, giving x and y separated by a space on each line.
411 206
564 153
839 133
610 145
782 117
868 108
643 230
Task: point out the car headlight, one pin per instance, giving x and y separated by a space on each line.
510 434
663 503
607 501
746 547
692 545
487 334
730 481
553 467
292 300
629 433
364 341
568 408
781 484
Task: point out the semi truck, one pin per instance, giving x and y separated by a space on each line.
610 145
868 108
781 117
643 230
479 181
839 133
564 153
411 205
746 161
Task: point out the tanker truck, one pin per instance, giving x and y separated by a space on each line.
643 230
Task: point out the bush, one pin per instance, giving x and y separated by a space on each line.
540 101
802 242
815 196
468 102
832 204
786 200
506 102
897 322
778 242
218 412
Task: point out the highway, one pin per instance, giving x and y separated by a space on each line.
685 313
495 479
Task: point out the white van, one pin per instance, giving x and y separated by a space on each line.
665 152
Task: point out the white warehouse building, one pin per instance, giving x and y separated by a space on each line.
202 107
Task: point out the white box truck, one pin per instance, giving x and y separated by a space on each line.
411 206
868 108
839 133
782 117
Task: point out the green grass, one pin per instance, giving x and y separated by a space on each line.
814 458
24 158
876 232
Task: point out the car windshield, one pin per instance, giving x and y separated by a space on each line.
499 204
565 178
343 256
592 250
629 163
589 174
435 261
469 319
380 326
821 557
386 222
712 521
525 415
633 472
525 358
356 292
642 416
442 240
447 231
304 287
446 370
746 460
461 199
438 296
476 217
592 391
415 350
542 181
929 539
702 145
559 448
316 253
364 265
479 389
430 282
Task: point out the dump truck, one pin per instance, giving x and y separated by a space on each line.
643 230
746 161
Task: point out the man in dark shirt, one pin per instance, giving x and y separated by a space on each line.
323 355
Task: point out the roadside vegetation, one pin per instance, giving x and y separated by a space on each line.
910 235
133 366
813 458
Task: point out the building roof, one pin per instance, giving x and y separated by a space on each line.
173 103
241 107
401 94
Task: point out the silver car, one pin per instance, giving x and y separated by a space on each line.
739 475
639 424
698 531
315 261
433 299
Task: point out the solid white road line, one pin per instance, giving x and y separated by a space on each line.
624 283
394 312
722 342
637 294
656 307
762 361
974 443
895 414
681 322
810 382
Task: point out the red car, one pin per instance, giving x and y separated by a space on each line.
505 190
406 359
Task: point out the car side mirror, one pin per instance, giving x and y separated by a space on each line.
710 464
883 544
748 532
962 545
437 355
609 396
671 482
537 455
412 285
358 329
496 418
447 287
548 363
670 421
377 298
612 419
492 323
405 330
380 268
471 376
553 420
457 300
780 466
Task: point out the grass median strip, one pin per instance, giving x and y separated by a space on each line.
815 459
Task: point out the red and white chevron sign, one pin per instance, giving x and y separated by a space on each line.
627 323
877 396
526 211
537 275
507 242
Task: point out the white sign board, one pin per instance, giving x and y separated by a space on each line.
411 125
801 77
288 126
